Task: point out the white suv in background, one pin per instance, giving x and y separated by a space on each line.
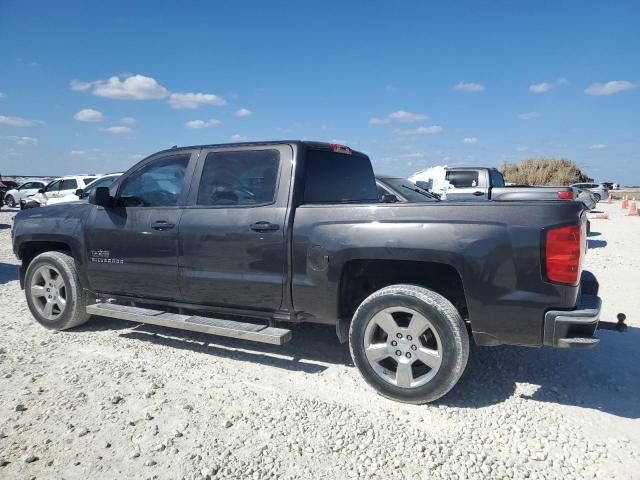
63 186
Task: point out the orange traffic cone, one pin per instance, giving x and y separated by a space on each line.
633 212
610 199
625 202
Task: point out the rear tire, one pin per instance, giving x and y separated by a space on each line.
54 293
9 201
409 343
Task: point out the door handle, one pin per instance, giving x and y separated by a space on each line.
264 227
477 194
162 225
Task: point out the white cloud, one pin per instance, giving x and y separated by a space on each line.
78 86
202 123
540 87
243 112
469 87
544 87
236 137
18 121
528 115
421 130
117 130
399 116
77 153
128 120
194 100
136 156
609 88
89 115
133 87
3 95
23 140
598 146
470 140
521 149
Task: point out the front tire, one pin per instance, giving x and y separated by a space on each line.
9 201
409 343
54 293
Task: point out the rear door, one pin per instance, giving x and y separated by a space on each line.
132 246
467 185
232 233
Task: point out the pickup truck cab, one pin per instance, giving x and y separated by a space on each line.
246 240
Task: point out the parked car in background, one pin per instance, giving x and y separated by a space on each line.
402 189
14 196
599 190
482 183
61 187
5 186
80 194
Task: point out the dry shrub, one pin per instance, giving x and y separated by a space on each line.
543 171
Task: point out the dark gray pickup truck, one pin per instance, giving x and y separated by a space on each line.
245 240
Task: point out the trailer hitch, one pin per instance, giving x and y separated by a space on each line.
619 326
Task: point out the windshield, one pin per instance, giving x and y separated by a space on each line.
409 190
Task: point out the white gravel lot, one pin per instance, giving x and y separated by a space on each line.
113 399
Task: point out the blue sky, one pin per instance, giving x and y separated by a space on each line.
95 86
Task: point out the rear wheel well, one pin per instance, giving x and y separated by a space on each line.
360 278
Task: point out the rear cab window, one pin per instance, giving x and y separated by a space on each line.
497 180
334 177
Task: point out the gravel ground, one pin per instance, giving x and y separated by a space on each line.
114 399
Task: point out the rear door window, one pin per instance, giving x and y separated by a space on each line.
239 178
69 184
463 178
332 177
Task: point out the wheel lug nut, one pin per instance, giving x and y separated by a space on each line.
408 355
409 337
413 347
398 352
399 335
394 343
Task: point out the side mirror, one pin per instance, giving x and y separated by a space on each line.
41 190
79 193
389 198
100 196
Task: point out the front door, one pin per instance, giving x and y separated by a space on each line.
232 232
132 246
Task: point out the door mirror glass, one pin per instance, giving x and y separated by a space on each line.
41 190
79 193
100 197
389 198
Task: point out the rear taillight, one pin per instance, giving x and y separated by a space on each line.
565 195
563 249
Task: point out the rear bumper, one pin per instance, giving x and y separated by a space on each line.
575 328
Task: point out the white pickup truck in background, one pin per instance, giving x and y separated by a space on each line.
483 183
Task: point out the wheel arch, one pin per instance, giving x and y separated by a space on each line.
361 277
29 250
